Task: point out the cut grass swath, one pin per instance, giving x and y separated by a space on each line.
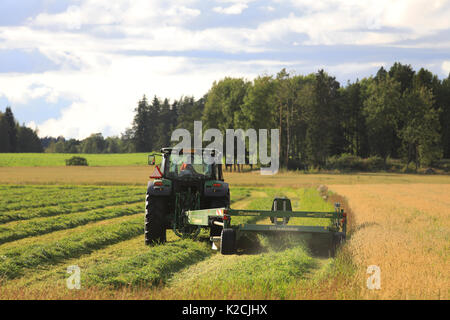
26 214
36 200
150 268
46 225
14 261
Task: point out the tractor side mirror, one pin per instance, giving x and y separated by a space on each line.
154 160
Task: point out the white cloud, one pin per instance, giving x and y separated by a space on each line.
353 68
268 8
446 67
359 22
233 9
124 13
105 95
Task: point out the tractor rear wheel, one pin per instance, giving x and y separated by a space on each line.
228 241
155 226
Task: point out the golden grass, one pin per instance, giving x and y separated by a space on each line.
405 230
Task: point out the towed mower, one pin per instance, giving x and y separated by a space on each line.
188 194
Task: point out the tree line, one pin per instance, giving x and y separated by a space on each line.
15 137
397 113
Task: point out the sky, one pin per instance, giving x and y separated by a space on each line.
77 67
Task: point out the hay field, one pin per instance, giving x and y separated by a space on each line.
93 216
405 230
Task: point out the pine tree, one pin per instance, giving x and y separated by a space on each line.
141 130
12 129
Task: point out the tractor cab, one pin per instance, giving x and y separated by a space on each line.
187 164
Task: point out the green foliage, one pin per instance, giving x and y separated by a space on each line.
420 131
223 103
16 138
76 161
382 109
348 163
345 162
27 140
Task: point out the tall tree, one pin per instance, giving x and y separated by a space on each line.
164 126
321 116
223 103
443 101
420 133
382 109
5 144
27 140
95 143
12 129
141 127
353 120
403 74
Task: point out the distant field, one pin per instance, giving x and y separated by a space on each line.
58 159
139 175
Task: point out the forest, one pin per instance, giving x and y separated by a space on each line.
398 113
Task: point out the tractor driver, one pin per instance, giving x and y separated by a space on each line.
186 168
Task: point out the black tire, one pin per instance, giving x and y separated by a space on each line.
155 226
228 241
338 239
214 230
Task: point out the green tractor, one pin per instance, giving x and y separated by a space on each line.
183 182
188 194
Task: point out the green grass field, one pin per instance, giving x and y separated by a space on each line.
44 229
58 159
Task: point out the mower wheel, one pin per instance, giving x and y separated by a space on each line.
155 228
215 231
228 241
338 239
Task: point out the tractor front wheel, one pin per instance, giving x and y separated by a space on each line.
228 241
155 226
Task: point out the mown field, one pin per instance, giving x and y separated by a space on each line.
55 217
45 229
